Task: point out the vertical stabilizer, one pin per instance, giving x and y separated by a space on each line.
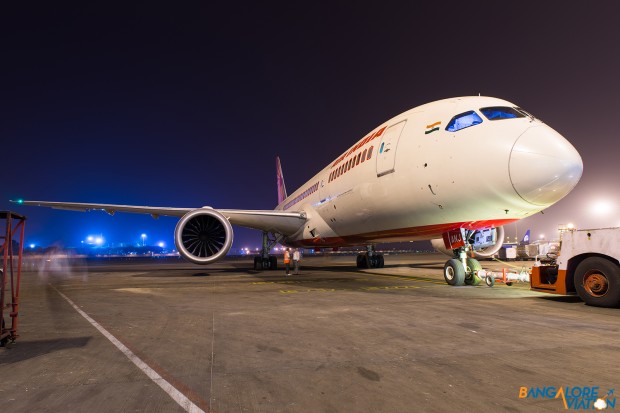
526 238
280 180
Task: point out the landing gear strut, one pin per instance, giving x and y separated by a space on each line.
370 259
462 270
264 261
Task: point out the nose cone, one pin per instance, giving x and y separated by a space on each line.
544 167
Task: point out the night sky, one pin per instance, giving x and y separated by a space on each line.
188 103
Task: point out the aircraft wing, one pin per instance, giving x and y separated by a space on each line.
286 223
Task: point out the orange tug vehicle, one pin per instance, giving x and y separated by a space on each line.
588 265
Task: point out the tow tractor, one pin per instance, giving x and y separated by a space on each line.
587 264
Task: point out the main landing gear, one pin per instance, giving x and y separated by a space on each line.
462 270
370 259
264 261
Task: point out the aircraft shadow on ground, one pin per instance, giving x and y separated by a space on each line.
25 350
562 299
306 270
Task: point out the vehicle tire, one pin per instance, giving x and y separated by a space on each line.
454 272
489 280
597 281
473 266
273 263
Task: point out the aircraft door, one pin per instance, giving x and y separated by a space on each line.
386 154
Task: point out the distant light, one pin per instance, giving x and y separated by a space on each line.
32 245
99 241
89 238
602 207
20 201
161 244
542 236
570 226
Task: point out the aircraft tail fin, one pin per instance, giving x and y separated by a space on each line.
280 181
526 238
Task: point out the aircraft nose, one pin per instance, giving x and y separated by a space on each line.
544 167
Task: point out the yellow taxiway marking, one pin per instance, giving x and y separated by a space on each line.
314 280
331 290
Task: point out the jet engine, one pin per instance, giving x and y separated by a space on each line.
203 236
483 243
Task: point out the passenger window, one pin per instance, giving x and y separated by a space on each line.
364 155
369 153
501 112
463 120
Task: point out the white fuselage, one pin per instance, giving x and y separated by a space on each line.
412 179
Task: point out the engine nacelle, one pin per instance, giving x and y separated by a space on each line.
484 243
203 236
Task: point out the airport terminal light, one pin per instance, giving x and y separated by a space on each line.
143 236
161 244
32 246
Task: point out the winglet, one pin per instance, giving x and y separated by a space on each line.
280 181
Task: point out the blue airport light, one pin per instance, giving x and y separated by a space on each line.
32 246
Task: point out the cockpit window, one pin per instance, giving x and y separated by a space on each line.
501 112
463 120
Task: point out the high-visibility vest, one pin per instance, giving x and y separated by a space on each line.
287 257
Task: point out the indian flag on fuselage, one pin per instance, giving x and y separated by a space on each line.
432 127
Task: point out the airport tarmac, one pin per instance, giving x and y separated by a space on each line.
151 336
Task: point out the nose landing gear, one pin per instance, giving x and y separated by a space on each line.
462 270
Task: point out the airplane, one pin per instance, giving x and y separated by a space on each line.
526 238
541 249
453 171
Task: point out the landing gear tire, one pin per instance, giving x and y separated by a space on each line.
261 263
374 261
471 277
597 281
361 261
454 272
258 264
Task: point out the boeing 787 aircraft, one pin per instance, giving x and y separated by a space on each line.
454 171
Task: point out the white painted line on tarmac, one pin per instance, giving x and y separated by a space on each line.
176 395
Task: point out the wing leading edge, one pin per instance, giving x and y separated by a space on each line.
286 223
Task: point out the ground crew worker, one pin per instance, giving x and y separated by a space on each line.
296 259
287 261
